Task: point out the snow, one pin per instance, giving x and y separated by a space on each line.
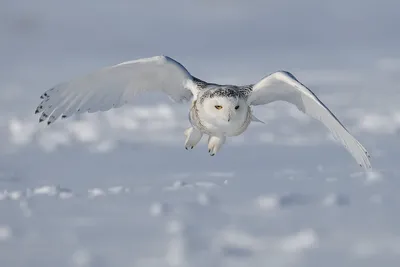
95 192
118 188
305 239
5 233
157 209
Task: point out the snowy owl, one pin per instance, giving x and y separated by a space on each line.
218 111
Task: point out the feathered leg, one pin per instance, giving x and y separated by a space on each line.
215 143
193 137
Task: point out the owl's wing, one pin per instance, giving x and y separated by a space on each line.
114 86
283 86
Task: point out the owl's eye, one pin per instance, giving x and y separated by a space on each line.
218 107
237 107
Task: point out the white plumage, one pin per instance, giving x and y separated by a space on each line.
217 110
283 86
114 86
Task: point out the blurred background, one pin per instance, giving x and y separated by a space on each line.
118 188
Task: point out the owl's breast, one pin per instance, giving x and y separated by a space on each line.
214 126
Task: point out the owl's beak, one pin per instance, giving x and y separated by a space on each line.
229 117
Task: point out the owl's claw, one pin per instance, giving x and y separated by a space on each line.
215 143
193 137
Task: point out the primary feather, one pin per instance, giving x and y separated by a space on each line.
283 86
114 86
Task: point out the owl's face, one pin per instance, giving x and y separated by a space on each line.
225 109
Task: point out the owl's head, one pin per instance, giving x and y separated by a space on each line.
225 105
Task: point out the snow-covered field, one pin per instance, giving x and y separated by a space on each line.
119 189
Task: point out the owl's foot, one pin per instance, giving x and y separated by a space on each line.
215 143
193 137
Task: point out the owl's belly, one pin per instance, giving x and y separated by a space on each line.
211 126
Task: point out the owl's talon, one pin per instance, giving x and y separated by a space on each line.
193 136
215 143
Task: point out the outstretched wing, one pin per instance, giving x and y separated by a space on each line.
283 86
114 86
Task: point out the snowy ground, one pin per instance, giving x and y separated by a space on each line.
119 189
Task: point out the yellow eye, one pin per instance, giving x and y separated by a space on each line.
218 107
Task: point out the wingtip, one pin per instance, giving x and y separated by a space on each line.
367 166
44 96
38 109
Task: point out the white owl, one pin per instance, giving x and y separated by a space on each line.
216 110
